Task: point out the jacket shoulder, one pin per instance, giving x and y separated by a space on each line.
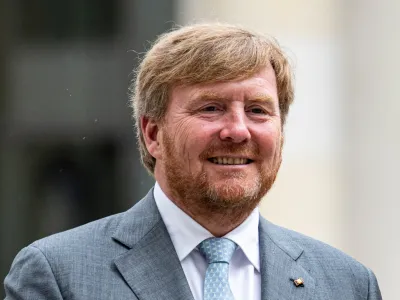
327 263
318 250
90 232
287 238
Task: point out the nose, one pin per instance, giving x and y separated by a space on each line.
235 128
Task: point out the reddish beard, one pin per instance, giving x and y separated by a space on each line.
198 195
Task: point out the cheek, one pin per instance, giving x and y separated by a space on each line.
188 137
269 141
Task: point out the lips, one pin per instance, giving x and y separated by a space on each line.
229 160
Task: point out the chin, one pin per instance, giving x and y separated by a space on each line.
234 193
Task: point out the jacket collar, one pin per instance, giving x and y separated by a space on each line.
153 271
150 266
280 265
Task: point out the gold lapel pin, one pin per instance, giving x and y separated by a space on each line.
298 282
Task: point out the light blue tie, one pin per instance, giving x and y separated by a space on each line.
218 253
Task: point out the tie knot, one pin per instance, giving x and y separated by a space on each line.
217 249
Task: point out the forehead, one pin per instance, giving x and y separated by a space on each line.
260 86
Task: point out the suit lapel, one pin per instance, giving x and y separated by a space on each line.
151 266
152 269
279 266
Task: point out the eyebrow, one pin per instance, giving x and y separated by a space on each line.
262 98
211 96
207 96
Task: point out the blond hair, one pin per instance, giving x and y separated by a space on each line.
203 53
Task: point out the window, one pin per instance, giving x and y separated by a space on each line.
70 19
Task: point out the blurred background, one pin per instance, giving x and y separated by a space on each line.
68 151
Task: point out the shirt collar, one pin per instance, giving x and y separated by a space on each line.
246 237
186 233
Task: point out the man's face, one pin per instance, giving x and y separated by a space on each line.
221 142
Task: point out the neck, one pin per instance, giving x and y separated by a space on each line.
217 220
218 224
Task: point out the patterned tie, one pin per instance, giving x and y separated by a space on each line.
218 252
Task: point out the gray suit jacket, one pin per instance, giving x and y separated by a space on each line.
131 256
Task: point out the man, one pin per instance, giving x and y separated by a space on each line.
210 103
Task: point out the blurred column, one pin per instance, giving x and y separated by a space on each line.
308 195
373 139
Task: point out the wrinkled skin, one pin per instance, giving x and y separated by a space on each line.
236 119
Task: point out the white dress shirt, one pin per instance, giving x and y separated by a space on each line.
186 234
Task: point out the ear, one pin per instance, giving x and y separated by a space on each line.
150 130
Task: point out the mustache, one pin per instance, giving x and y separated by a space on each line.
247 149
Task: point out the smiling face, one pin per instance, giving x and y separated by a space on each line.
219 146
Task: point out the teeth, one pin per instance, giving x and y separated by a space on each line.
229 161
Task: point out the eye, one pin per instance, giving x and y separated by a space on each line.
210 108
257 110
